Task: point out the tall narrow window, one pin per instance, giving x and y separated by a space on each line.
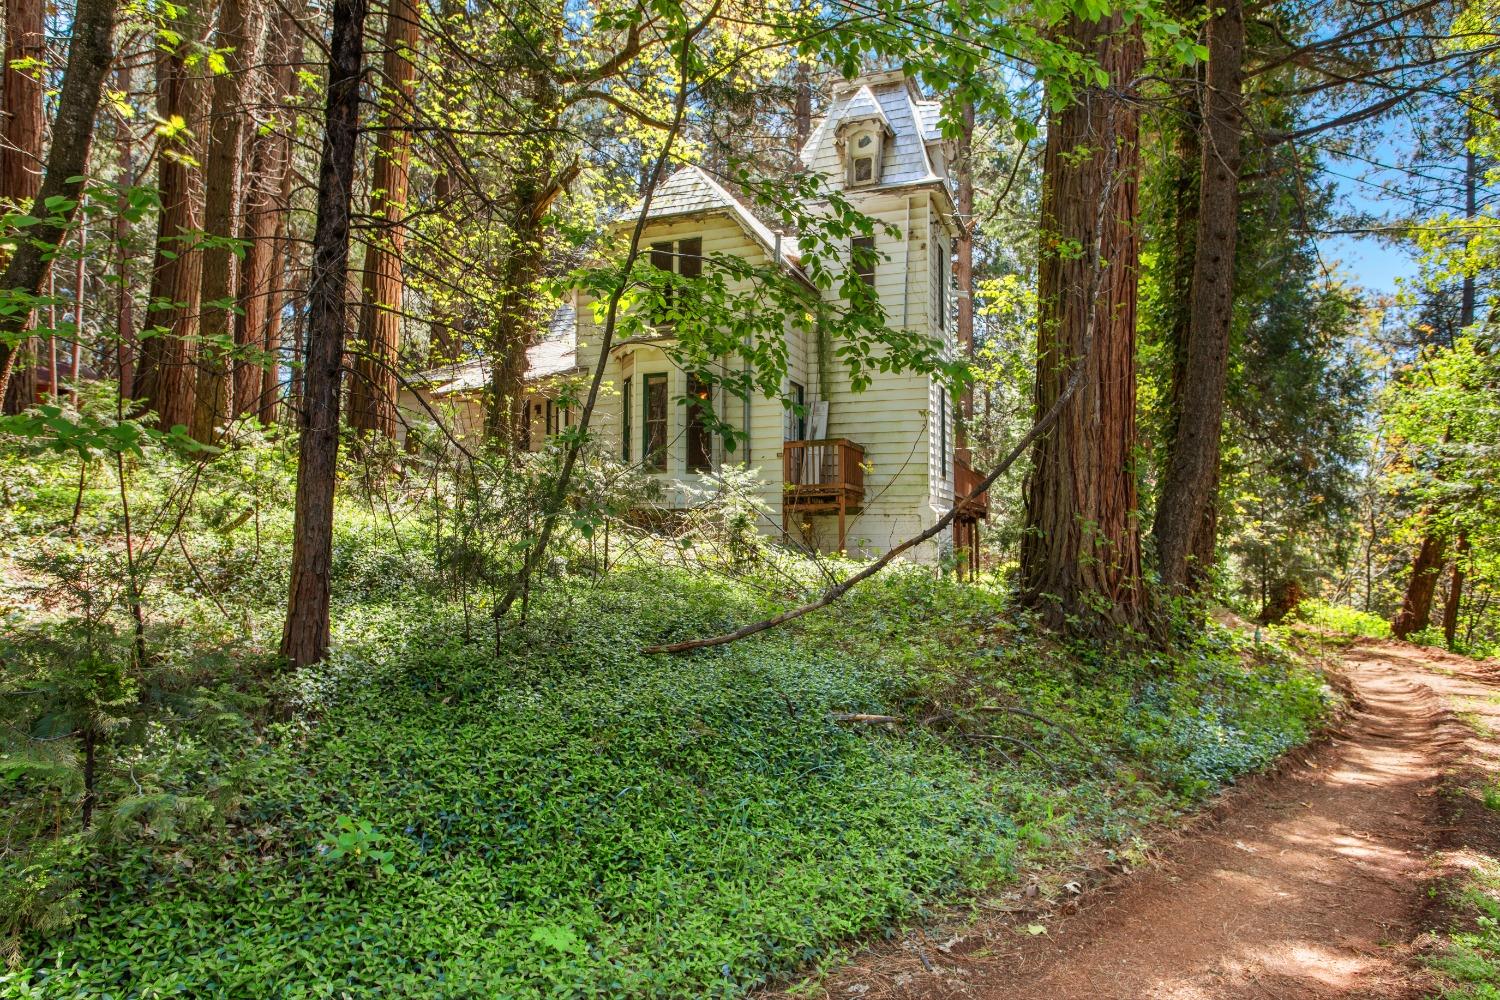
551 418
796 417
864 158
684 257
940 258
862 253
942 421
625 423
690 257
654 424
700 437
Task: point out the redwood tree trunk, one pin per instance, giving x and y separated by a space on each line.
165 380
125 348
1181 529
305 637
270 376
267 200
212 404
21 160
1080 557
90 50
372 393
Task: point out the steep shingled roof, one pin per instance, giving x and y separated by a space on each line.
913 123
555 354
690 190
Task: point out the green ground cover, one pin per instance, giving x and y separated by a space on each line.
428 815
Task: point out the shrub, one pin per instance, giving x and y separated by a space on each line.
1343 619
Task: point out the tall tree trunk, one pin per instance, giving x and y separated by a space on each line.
90 50
166 381
1193 458
519 321
1427 566
267 201
21 158
372 393
1455 590
1081 557
80 284
212 404
125 346
270 372
1416 606
801 105
305 638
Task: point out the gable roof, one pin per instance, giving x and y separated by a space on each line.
690 191
913 123
554 355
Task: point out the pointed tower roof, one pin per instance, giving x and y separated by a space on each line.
892 99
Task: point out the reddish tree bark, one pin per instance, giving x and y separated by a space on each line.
1080 555
372 393
304 639
1184 529
267 205
211 407
270 375
21 155
125 347
165 379
90 50
1455 590
1416 606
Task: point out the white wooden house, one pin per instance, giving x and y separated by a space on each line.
842 469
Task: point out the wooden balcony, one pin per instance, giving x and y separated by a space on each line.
822 477
965 481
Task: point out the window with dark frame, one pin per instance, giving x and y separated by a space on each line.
654 422
684 258
942 431
796 417
863 159
625 404
700 438
941 260
862 254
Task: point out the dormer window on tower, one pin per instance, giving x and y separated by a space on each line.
865 155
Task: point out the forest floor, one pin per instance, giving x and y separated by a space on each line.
1340 875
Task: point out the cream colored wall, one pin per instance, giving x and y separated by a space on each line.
463 414
720 235
892 418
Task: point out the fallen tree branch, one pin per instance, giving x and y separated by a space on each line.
864 717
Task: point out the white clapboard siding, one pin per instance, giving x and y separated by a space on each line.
892 419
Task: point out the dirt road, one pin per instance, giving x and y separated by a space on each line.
1311 886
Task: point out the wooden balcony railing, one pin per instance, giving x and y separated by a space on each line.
965 480
822 477
821 473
